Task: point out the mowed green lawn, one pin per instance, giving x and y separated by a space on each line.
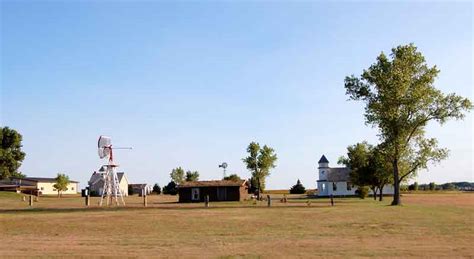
439 225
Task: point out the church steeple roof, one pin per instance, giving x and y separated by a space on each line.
323 160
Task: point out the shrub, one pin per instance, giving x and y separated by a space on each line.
232 177
171 188
298 188
432 186
157 189
413 187
362 192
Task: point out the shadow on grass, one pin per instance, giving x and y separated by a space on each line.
133 208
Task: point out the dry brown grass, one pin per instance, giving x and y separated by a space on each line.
439 225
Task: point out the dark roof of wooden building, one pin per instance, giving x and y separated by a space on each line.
220 183
339 174
41 179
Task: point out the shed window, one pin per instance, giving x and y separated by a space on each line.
334 187
195 194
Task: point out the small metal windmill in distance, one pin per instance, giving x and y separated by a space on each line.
223 166
111 189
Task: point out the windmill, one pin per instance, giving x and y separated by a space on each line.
111 189
224 166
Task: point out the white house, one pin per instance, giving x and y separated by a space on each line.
96 182
336 181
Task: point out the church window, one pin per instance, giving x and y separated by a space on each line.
334 187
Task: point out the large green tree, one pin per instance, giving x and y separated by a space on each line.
62 181
11 155
401 100
259 162
362 174
177 175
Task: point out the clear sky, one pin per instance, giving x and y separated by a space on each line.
192 83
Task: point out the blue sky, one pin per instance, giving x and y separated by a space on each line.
192 83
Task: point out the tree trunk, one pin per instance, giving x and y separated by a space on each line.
258 190
381 193
374 192
396 184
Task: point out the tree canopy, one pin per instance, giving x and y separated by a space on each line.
369 167
177 175
298 188
157 188
61 184
400 100
232 177
11 154
171 188
192 176
259 162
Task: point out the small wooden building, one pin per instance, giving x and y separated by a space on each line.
221 190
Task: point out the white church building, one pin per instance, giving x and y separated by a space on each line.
336 181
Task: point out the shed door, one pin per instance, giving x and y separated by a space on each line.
195 194
221 193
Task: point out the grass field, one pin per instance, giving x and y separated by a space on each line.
428 225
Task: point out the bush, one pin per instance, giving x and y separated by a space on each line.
171 188
298 188
413 187
157 189
232 177
362 192
432 186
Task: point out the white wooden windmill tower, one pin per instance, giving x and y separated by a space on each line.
111 190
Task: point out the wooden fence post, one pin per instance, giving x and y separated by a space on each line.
269 200
145 202
206 201
31 200
332 200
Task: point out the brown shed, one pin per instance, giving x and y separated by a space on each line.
220 190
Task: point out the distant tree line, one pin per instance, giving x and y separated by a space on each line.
467 186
